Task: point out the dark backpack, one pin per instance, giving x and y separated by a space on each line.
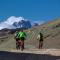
17 35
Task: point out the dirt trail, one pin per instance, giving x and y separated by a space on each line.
33 54
54 52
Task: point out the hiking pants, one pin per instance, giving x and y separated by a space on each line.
22 44
40 44
18 43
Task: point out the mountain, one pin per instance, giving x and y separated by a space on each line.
35 24
15 22
22 24
51 33
16 26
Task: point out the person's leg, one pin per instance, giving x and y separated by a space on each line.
40 44
17 45
22 45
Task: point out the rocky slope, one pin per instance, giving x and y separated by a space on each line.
51 33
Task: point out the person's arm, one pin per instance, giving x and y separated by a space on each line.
38 37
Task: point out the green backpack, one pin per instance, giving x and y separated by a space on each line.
21 34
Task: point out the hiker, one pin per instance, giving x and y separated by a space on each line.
17 40
40 38
22 37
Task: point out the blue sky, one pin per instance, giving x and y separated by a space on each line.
30 9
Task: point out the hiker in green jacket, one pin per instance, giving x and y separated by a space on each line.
40 38
22 37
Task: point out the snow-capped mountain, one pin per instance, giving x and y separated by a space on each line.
22 24
19 22
15 22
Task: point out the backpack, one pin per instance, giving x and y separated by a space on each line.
22 34
38 37
17 35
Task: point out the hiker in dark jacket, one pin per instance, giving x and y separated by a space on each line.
17 40
40 38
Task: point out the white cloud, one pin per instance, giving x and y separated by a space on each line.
8 23
38 21
41 22
13 19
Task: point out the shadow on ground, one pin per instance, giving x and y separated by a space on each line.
4 55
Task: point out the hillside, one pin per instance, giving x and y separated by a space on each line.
50 30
